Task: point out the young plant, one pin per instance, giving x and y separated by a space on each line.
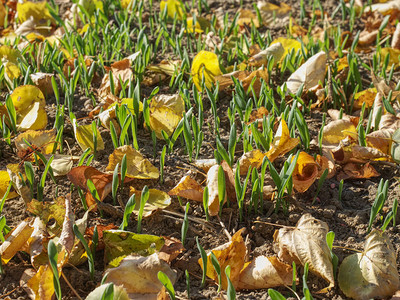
217 268
380 198
40 186
143 199
340 190
275 295
241 189
306 291
162 163
330 237
89 253
205 202
320 183
166 282
231 293
129 207
53 260
221 188
391 216
185 224
187 283
203 255
115 183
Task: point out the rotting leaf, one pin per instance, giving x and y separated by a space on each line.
372 273
306 243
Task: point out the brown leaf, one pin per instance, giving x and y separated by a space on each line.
171 249
100 228
188 188
305 172
282 142
352 170
253 158
306 244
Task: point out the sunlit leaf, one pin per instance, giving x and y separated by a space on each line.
205 64
157 200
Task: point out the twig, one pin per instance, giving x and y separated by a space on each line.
273 224
297 296
9 293
193 219
347 248
224 228
70 286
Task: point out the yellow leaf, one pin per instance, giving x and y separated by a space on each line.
205 64
282 142
305 172
393 56
200 26
34 119
37 10
233 254
45 140
137 166
4 182
12 70
84 136
288 45
337 130
165 113
366 96
173 7
157 200
42 284
9 53
15 241
252 159
247 17
269 11
23 97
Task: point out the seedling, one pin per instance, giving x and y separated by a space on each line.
53 260
203 255
162 162
380 198
129 207
306 291
275 295
143 199
340 190
241 189
108 293
217 268
221 188
330 237
42 182
320 183
391 216
79 235
205 202
231 293
115 183
185 224
166 282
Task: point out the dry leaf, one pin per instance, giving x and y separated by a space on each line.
270 11
119 293
84 135
352 170
43 82
253 158
338 130
138 274
137 166
306 244
305 172
372 273
4 182
396 38
265 272
165 113
171 249
44 141
282 142
233 254
157 200
188 188
261 58
309 74
15 240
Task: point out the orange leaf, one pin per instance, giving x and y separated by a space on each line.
282 143
305 172
188 188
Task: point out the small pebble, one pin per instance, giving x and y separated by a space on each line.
333 185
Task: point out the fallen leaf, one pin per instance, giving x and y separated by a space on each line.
309 74
396 38
43 82
84 135
102 181
37 10
137 166
120 243
171 249
288 45
306 243
43 140
119 293
138 275
4 182
62 164
265 272
247 17
253 158
305 172
15 240
174 7
372 273
165 113
380 139
366 96
29 105
157 200
274 50
353 170
282 142
233 254
245 77
188 188
205 64
269 11
338 130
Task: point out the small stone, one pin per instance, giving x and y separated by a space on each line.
293 218
329 211
333 185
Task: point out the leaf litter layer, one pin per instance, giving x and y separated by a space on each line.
181 80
